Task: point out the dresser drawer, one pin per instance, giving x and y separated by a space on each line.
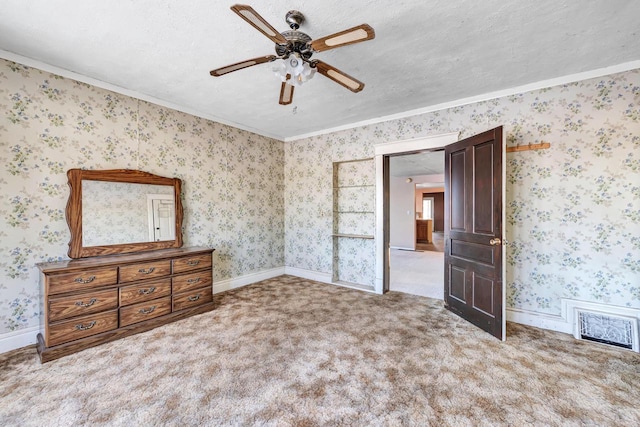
192 298
87 279
147 270
145 291
81 304
80 327
145 311
187 282
198 262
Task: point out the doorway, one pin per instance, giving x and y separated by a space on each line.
474 261
383 152
416 254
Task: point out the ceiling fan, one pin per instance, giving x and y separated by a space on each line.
295 49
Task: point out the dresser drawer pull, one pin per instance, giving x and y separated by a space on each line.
147 310
88 326
193 262
147 271
86 304
147 291
194 297
81 280
196 280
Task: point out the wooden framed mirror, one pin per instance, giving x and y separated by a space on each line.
122 211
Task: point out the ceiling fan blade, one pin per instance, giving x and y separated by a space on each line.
339 77
352 35
286 93
252 17
240 65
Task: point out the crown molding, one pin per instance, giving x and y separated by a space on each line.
557 81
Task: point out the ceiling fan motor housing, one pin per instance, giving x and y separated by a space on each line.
297 41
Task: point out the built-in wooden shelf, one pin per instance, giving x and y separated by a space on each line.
348 180
366 159
354 186
353 236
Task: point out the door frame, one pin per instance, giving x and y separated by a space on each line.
150 211
382 153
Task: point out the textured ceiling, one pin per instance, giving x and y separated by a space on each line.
426 52
419 164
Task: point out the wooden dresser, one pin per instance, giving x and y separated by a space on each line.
91 301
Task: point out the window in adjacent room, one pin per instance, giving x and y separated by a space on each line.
427 208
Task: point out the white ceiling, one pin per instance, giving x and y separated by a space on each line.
425 53
419 164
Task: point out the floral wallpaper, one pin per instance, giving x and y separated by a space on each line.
573 210
117 212
233 181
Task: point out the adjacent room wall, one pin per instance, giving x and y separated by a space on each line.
402 214
438 205
232 179
573 211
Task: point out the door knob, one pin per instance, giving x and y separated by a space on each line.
494 242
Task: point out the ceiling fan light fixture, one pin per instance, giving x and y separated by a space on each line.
295 64
293 70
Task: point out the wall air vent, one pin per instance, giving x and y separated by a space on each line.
606 328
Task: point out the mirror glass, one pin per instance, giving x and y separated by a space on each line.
122 212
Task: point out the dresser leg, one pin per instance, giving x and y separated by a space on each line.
40 347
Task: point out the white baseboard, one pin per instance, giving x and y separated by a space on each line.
379 285
309 274
539 320
18 339
325 278
247 279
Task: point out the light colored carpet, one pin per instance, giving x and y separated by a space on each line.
417 273
437 245
292 352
